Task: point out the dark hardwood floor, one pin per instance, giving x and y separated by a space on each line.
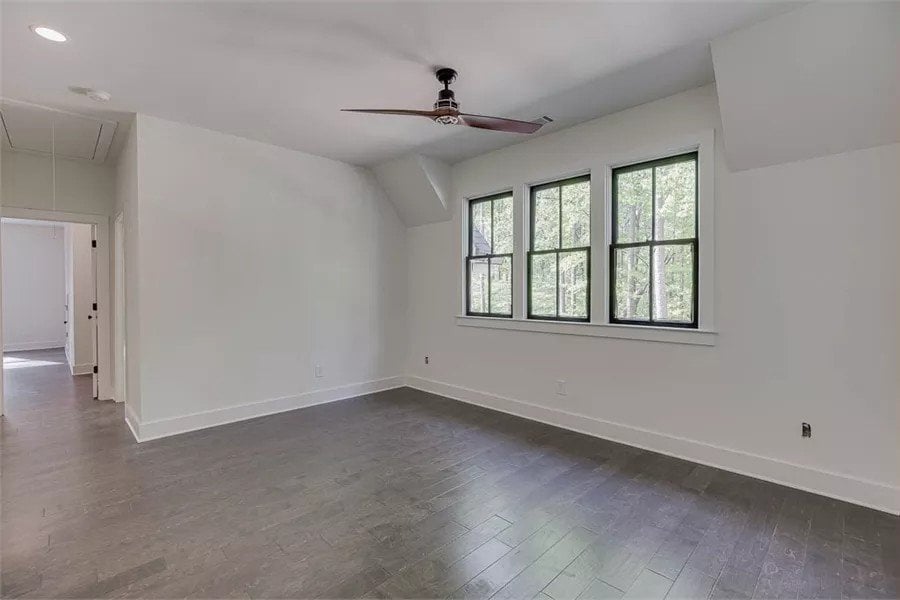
397 494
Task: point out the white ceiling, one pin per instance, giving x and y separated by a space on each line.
278 72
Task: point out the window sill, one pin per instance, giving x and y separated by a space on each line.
672 335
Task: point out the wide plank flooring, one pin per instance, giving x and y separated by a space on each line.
400 494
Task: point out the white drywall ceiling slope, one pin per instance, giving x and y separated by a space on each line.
279 72
418 187
819 80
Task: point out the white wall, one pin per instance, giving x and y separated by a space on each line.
256 264
806 310
127 205
81 187
34 294
80 297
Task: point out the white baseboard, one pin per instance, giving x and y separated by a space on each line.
134 424
150 430
81 369
835 485
23 346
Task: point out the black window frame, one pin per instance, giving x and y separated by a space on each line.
558 250
470 256
652 243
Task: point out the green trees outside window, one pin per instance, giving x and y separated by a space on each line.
490 257
653 256
559 260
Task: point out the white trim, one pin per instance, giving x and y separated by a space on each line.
85 369
25 346
703 143
119 333
841 486
151 430
134 424
502 191
104 316
673 335
556 177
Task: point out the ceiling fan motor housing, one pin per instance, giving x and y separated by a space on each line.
446 99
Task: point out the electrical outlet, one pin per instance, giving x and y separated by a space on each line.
561 387
426 360
318 370
806 430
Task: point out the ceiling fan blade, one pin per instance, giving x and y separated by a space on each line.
414 113
499 124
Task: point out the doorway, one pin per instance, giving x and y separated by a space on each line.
82 314
49 299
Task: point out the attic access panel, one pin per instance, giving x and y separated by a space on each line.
38 129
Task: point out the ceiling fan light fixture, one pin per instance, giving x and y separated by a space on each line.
446 111
48 34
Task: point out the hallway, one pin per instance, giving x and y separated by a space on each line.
41 394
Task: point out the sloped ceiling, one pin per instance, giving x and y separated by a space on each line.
819 80
418 186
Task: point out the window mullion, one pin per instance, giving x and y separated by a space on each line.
652 239
490 309
559 233
559 218
470 252
557 284
489 261
492 227
471 227
531 198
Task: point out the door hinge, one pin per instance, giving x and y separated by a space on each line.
93 243
95 306
95 369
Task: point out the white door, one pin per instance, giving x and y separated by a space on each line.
69 323
93 312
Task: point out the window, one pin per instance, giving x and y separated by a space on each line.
559 261
490 257
653 255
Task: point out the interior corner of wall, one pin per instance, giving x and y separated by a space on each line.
438 174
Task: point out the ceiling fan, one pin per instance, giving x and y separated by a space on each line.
446 111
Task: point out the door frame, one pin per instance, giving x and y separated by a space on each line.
104 299
95 312
119 349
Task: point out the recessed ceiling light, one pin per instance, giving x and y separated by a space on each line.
49 34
